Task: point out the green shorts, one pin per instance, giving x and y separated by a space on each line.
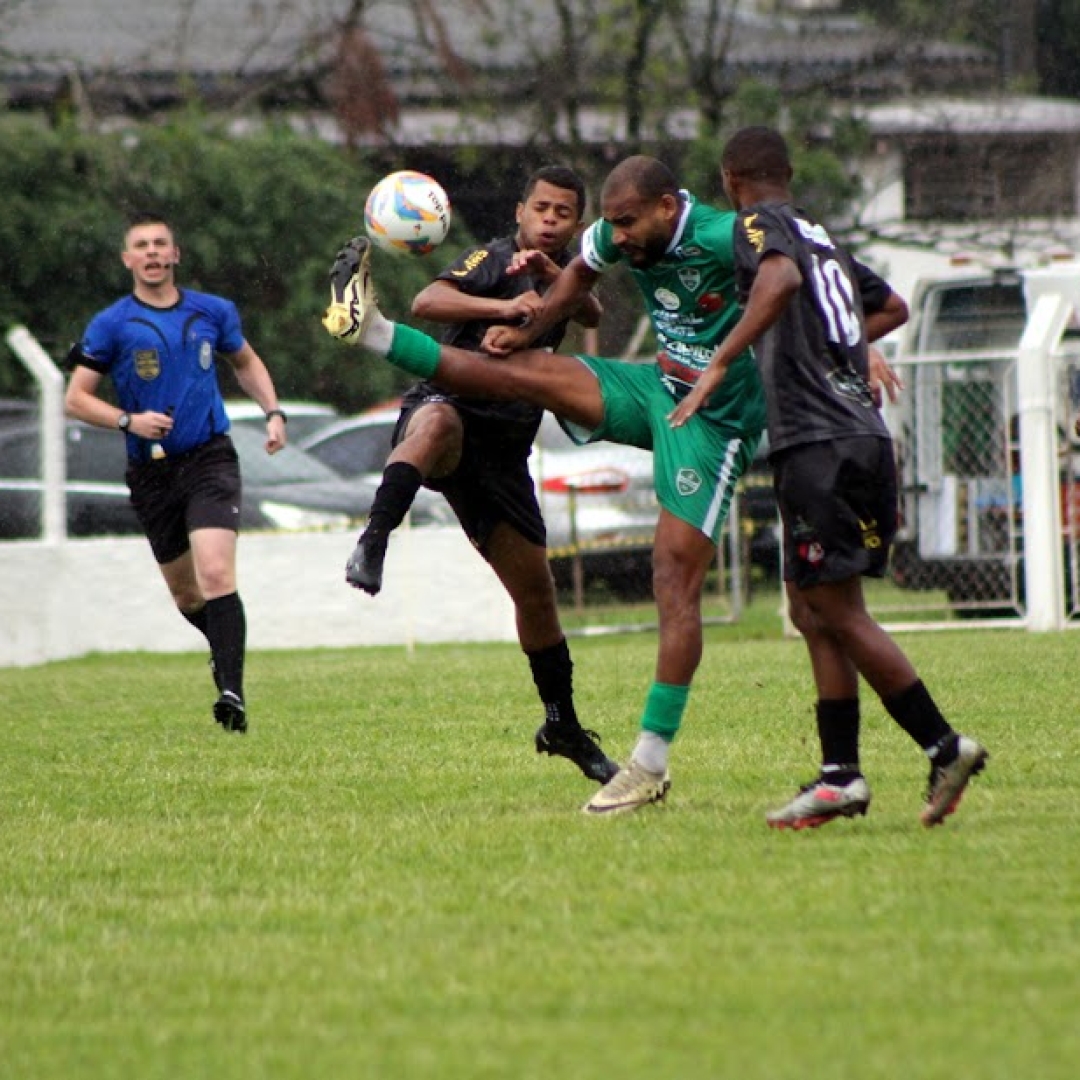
695 467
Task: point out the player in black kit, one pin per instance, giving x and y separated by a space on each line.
476 452
810 312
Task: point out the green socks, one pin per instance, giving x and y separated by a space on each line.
414 351
664 709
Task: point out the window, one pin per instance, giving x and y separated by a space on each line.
948 178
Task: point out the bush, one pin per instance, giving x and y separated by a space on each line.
257 216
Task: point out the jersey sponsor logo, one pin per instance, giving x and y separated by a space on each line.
687 482
206 356
755 235
851 385
471 263
666 298
691 251
684 352
690 277
147 364
682 373
711 301
816 234
871 536
812 553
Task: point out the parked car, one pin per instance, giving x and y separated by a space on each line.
356 448
305 417
615 504
289 490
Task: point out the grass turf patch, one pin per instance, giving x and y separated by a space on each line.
382 878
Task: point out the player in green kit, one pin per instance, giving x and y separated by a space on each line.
681 254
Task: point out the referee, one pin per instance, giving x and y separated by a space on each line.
158 345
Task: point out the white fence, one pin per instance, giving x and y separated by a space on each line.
986 459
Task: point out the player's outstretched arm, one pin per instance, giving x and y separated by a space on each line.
571 289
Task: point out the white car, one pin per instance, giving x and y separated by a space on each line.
600 496
304 417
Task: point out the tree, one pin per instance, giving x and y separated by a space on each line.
1013 30
258 219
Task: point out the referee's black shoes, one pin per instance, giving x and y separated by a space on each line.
571 741
229 712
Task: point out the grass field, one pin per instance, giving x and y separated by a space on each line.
382 880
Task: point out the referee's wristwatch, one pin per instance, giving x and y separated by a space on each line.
278 412
123 421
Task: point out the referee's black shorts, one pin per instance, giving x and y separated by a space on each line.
838 502
199 489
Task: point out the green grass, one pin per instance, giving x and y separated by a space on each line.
382 880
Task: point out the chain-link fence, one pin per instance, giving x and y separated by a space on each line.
972 368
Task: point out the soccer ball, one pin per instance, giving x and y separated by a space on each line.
407 212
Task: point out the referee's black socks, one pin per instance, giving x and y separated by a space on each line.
226 630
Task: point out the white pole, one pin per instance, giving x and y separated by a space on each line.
1044 575
50 380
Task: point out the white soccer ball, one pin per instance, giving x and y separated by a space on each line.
407 212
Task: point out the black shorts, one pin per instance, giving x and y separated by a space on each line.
838 504
492 482
173 497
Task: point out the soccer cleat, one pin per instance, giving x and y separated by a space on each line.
570 740
352 292
947 782
629 789
819 802
229 712
364 569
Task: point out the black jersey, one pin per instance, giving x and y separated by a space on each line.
813 359
481 271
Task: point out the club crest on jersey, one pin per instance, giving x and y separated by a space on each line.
206 356
666 298
147 364
690 277
687 482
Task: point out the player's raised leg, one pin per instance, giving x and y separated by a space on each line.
553 381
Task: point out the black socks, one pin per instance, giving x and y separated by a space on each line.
838 731
552 671
400 483
226 630
914 710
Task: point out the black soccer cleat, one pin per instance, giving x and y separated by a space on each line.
229 712
364 570
582 747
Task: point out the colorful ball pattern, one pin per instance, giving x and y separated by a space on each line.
407 212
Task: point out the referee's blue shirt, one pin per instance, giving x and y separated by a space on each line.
162 359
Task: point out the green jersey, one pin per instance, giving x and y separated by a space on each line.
692 302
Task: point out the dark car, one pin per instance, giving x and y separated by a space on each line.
289 490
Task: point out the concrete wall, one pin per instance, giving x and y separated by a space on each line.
81 596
